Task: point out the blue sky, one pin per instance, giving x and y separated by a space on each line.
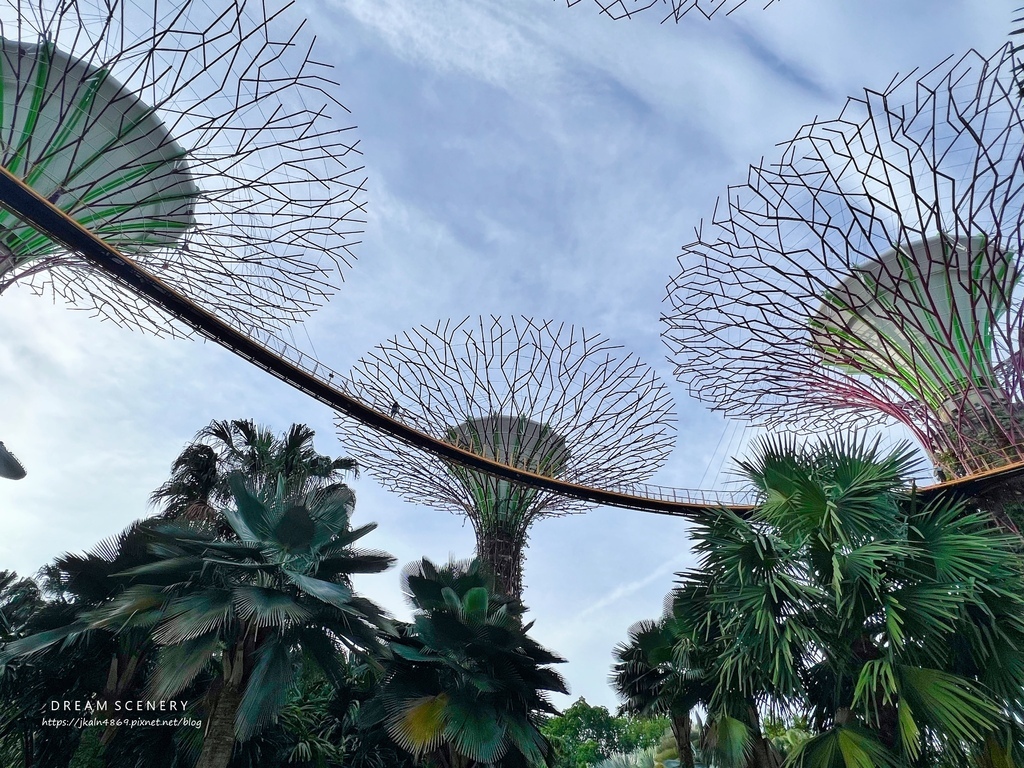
521 158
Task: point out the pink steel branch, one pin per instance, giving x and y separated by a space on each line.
873 272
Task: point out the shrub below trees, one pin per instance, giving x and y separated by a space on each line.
584 735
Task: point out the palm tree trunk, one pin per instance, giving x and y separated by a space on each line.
219 741
119 678
28 746
762 753
681 727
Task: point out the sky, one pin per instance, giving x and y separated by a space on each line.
521 158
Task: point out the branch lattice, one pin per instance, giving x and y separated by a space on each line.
676 9
229 182
873 271
537 395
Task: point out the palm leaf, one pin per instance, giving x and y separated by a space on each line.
876 687
295 530
353 561
528 739
418 725
137 605
182 566
730 741
843 747
949 703
411 653
337 595
263 607
342 540
996 755
475 730
474 605
194 615
40 641
910 733
178 665
252 519
266 690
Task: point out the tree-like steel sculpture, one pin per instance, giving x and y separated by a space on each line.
194 137
10 467
874 271
676 9
540 396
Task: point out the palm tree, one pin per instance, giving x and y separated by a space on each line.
671 666
665 667
464 685
80 584
897 625
78 638
243 610
19 600
318 727
54 653
195 486
198 485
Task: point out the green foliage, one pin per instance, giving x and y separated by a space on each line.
897 626
19 600
666 754
665 666
220 615
585 735
464 684
317 727
89 753
642 732
54 654
199 485
784 736
245 608
641 758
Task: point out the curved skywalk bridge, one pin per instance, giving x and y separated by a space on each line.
309 375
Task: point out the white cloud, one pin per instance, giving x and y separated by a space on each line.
482 41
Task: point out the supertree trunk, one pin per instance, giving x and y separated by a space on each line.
500 550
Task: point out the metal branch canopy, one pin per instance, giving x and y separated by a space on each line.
194 140
544 397
874 271
676 9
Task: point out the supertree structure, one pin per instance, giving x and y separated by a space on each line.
10 467
674 9
873 271
548 398
195 137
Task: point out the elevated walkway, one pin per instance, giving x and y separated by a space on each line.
309 375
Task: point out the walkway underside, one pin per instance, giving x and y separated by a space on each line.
317 380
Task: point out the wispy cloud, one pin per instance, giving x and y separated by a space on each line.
630 588
478 40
